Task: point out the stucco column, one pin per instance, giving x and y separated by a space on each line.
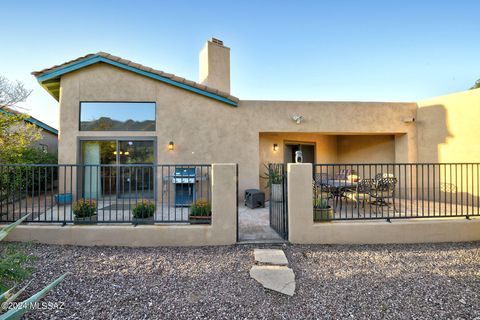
300 203
224 202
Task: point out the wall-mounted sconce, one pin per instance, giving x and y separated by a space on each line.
171 146
275 147
298 118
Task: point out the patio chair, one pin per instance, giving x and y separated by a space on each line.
361 193
383 191
380 176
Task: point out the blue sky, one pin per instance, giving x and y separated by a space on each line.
285 50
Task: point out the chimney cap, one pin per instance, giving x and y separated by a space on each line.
217 41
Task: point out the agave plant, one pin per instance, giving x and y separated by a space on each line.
10 296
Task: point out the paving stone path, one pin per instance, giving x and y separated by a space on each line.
271 270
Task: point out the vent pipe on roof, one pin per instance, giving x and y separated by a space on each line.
214 61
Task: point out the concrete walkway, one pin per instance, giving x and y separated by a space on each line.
272 271
254 224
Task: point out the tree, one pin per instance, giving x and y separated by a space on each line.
476 85
15 134
12 93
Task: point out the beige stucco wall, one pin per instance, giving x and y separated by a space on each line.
222 230
207 131
302 229
447 128
366 149
447 132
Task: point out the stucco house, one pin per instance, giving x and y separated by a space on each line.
134 137
107 102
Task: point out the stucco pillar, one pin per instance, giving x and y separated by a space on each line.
300 205
224 202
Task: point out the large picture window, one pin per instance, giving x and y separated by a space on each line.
117 116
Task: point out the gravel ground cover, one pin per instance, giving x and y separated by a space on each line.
428 281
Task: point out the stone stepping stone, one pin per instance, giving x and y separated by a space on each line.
278 278
270 256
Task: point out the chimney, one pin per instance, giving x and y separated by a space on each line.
215 65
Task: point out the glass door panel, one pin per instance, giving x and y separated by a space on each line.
98 181
136 181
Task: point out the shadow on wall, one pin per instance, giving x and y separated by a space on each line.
432 131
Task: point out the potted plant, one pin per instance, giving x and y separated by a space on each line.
85 211
321 210
200 212
143 212
274 177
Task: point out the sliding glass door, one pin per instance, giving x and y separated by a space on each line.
136 179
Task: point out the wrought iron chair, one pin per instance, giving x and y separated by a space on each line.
361 193
383 191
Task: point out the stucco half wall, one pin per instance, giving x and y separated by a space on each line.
208 131
222 230
303 230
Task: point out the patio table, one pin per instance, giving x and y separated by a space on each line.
337 186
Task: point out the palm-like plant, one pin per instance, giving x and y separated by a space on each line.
10 296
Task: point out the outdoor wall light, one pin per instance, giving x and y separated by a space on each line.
275 147
171 146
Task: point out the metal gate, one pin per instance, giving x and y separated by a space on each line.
277 183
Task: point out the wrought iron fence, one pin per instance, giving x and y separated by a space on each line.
396 191
278 208
106 193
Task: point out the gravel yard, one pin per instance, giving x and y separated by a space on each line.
333 282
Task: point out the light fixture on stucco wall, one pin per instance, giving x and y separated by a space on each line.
171 146
275 147
298 118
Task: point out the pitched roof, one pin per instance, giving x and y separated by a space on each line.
49 77
31 120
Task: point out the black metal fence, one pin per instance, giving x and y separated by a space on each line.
277 183
396 191
106 193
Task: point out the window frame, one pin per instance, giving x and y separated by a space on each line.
115 101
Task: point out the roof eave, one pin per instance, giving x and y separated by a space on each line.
53 77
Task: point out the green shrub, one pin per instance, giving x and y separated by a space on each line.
201 208
35 155
16 182
84 208
143 209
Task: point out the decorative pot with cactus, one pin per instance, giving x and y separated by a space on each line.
321 210
274 177
85 211
200 212
143 212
